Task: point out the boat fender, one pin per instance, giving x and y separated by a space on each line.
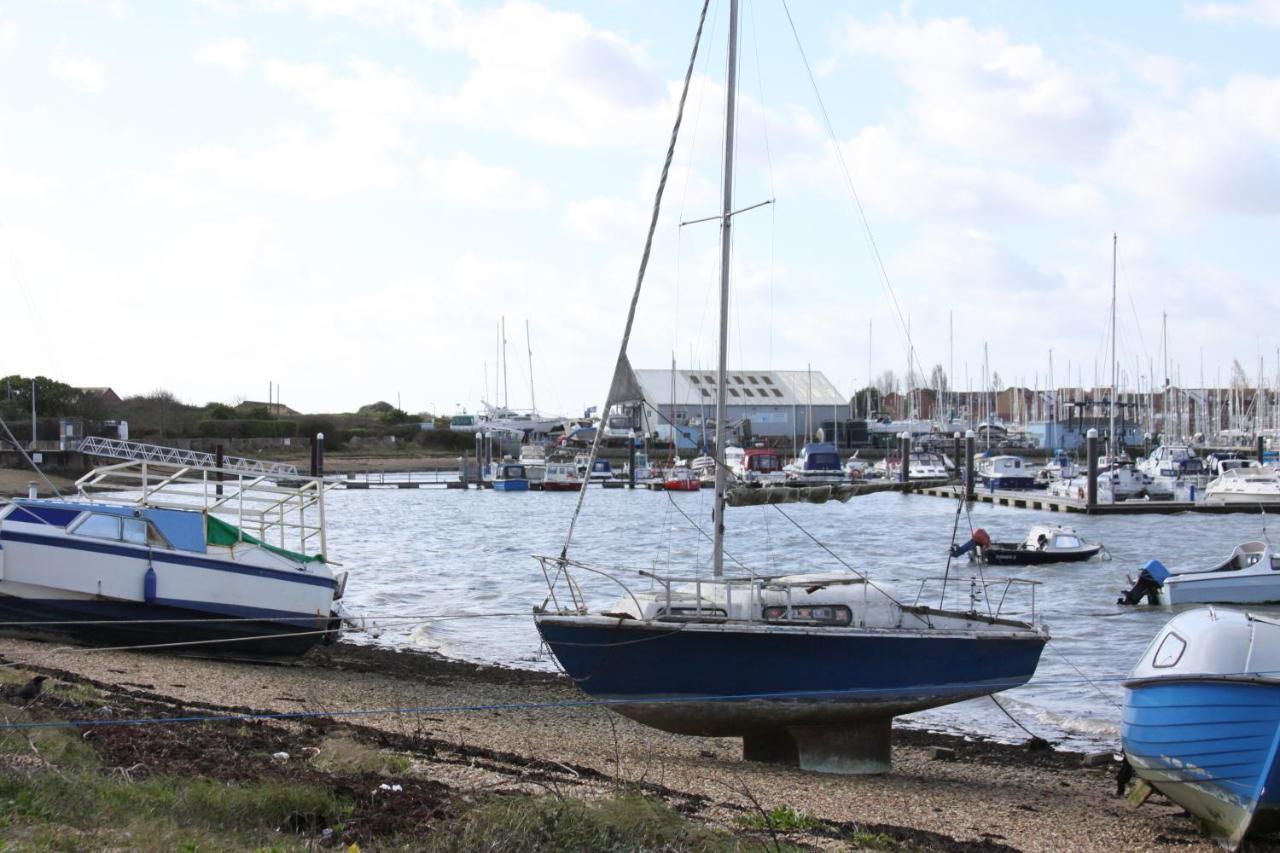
149 586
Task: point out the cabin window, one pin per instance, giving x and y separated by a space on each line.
1067 542
825 614
1170 651
135 531
99 527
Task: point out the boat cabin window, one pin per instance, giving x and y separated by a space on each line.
1066 541
826 614
1170 651
764 462
99 527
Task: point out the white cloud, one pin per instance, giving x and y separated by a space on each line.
8 34
465 180
1218 151
229 53
1264 12
361 148
82 72
981 91
894 178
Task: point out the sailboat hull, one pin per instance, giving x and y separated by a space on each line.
740 680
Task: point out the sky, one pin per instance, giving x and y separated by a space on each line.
346 197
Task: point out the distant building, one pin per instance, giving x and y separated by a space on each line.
772 404
276 410
102 393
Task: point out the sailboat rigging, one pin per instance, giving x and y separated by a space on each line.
808 669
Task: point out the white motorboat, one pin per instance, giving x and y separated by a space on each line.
1005 472
818 463
1174 472
1251 486
561 477
175 551
1251 575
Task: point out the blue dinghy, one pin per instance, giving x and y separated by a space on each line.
1202 720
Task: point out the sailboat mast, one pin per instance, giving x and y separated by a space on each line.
726 226
528 343
506 401
1114 363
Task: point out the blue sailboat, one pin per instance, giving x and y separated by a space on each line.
808 669
1202 720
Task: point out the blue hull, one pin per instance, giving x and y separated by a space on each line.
141 624
511 485
1009 483
718 680
1210 746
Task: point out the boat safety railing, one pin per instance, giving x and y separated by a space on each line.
982 592
281 512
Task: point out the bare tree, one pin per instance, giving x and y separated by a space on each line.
887 383
938 379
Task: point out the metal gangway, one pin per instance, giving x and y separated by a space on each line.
113 448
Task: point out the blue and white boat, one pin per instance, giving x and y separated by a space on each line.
1005 472
510 477
1202 720
819 462
199 560
808 669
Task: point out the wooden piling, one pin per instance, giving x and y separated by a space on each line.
904 471
1091 445
970 440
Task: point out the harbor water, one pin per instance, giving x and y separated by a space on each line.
452 572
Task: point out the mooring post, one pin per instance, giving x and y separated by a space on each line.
319 454
904 473
465 471
631 466
970 440
313 467
1262 453
957 448
217 463
1091 449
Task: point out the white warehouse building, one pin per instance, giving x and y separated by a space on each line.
772 404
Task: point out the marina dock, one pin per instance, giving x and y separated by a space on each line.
1040 500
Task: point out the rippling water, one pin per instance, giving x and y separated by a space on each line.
418 554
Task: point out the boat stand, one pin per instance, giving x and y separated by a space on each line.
862 750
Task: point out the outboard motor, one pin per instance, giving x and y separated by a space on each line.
1150 579
979 539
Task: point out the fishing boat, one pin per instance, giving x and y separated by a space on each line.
1202 720
510 476
1045 543
1251 575
1005 472
682 479
1244 486
561 477
192 556
808 669
593 470
818 463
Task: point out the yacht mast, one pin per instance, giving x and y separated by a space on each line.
533 401
506 401
1112 427
726 225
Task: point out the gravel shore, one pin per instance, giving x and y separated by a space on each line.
988 796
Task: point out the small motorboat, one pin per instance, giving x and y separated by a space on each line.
818 463
561 477
682 479
600 471
1251 575
510 477
1005 472
1202 720
760 466
1045 543
1244 486
534 459
856 468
